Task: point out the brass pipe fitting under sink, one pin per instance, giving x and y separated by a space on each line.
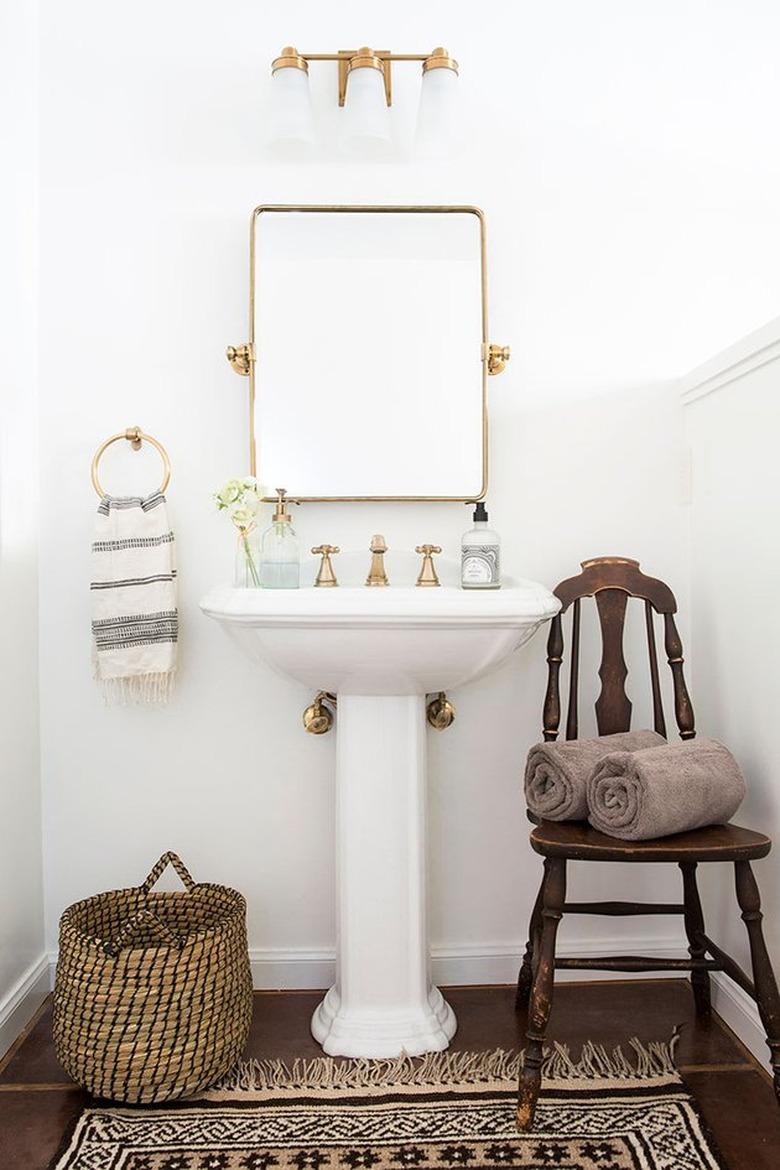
440 712
318 716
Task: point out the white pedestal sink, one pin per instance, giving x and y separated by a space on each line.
381 650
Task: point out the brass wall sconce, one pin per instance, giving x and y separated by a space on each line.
365 93
318 716
440 712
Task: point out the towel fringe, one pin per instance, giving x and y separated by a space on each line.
135 689
655 1059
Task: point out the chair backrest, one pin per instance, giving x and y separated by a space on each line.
611 581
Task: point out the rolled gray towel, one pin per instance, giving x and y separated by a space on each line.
664 790
556 774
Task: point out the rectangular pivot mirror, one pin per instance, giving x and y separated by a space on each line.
369 337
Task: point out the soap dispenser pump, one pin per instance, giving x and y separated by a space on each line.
480 554
280 560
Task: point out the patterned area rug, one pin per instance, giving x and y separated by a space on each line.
447 1111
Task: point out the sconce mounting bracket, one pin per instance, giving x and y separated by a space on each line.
344 58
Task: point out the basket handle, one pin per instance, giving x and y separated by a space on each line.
157 870
142 923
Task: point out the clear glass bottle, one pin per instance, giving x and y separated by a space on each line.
480 554
247 571
280 558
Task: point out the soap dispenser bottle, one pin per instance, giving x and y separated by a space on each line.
480 554
280 559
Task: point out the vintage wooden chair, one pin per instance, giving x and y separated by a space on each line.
612 580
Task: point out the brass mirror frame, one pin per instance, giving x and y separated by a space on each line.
494 357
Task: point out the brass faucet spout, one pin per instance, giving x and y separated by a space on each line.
377 574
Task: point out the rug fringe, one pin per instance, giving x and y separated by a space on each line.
655 1059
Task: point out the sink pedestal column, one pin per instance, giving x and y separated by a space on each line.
383 1002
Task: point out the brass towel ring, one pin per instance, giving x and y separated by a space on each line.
135 436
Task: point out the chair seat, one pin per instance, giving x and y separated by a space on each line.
579 841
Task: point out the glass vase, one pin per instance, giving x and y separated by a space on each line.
247 571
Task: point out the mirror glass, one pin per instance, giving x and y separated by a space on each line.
368 328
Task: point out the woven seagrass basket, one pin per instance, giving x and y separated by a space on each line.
153 996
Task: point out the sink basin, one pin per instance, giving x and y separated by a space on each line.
381 650
382 641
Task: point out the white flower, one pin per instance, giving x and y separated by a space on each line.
229 494
241 498
243 517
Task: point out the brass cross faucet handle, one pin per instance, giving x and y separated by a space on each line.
377 574
427 571
326 578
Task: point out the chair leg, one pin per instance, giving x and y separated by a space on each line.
553 897
767 996
694 928
526 977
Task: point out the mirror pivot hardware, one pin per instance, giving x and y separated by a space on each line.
427 575
497 357
440 712
326 578
241 358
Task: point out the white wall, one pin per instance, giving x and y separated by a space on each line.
732 408
630 207
23 973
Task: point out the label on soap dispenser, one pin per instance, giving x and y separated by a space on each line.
480 565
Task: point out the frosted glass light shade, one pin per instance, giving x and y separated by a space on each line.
292 121
437 116
365 131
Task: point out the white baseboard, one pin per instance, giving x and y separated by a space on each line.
452 966
19 1005
299 968
307 968
739 1011
497 963
291 968
455 966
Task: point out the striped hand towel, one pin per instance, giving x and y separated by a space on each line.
135 623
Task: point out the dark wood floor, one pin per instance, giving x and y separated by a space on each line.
37 1102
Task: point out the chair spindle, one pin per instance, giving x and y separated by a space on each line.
571 710
683 708
552 700
659 722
